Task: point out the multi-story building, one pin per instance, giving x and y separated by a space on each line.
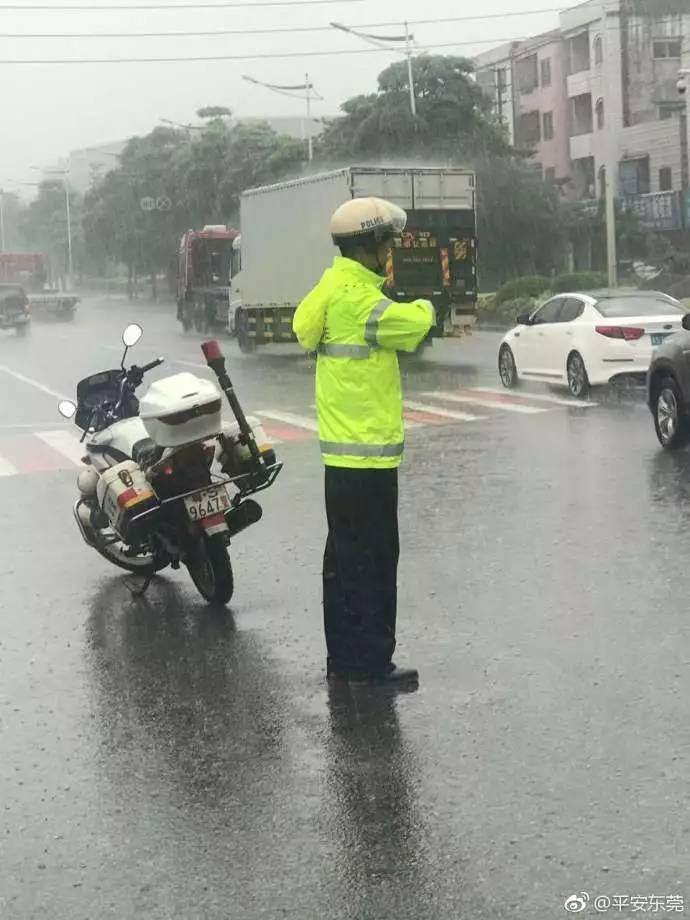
578 89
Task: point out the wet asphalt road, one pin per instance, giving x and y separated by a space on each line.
161 760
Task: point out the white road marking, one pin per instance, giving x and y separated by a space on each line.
7 468
288 418
485 403
438 410
32 383
65 443
537 397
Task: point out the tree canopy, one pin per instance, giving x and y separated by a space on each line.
172 180
453 122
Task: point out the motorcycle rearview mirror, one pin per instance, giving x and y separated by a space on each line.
67 408
130 337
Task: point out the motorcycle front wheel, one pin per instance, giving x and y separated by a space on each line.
211 570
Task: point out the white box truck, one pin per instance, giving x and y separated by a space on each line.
285 246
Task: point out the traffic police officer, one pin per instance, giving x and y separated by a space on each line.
357 333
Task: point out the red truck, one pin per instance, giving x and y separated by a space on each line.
29 270
204 272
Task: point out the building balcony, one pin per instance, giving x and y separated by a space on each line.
579 83
658 210
582 146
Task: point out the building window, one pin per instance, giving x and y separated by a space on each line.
581 119
527 74
550 175
546 72
529 129
600 114
634 176
547 126
663 48
598 51
666 179
578 53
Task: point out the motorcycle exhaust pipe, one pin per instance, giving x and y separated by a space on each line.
243 516
82 515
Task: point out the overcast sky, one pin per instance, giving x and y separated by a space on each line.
48 110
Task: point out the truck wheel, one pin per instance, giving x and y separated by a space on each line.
247 344
199 317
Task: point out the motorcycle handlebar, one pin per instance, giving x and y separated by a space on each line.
150 366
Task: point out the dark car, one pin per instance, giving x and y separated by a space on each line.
14 308
668 389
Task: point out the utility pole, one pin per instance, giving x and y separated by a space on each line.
609 165
410 75
69 233
310 139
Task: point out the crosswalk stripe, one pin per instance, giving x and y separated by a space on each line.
537 397
289 418
63 442
412 421
7 468
441 412
486 403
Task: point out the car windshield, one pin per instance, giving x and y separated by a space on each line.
615 307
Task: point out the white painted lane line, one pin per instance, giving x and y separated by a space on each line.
537 397
443 413
288 418
65 443
500 404
7 468
32 383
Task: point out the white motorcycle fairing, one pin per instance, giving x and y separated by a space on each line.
116 443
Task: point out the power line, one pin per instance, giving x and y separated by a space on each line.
250 57
23 7
271 31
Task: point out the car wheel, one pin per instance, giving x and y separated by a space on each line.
670 416
506 368
578 381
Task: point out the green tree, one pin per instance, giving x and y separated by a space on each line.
201 175
44 227
453 123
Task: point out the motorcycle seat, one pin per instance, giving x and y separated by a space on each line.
146 452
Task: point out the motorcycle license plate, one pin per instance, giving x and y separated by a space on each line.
209 503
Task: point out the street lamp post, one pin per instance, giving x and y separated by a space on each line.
611 253
295 91
65 178
380 41
683 75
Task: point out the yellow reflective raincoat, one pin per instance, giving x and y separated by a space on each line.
357 332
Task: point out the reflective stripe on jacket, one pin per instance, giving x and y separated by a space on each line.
357 332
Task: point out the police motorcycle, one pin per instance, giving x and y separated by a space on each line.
167 481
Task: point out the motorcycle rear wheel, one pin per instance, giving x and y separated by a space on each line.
211 570
116 554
